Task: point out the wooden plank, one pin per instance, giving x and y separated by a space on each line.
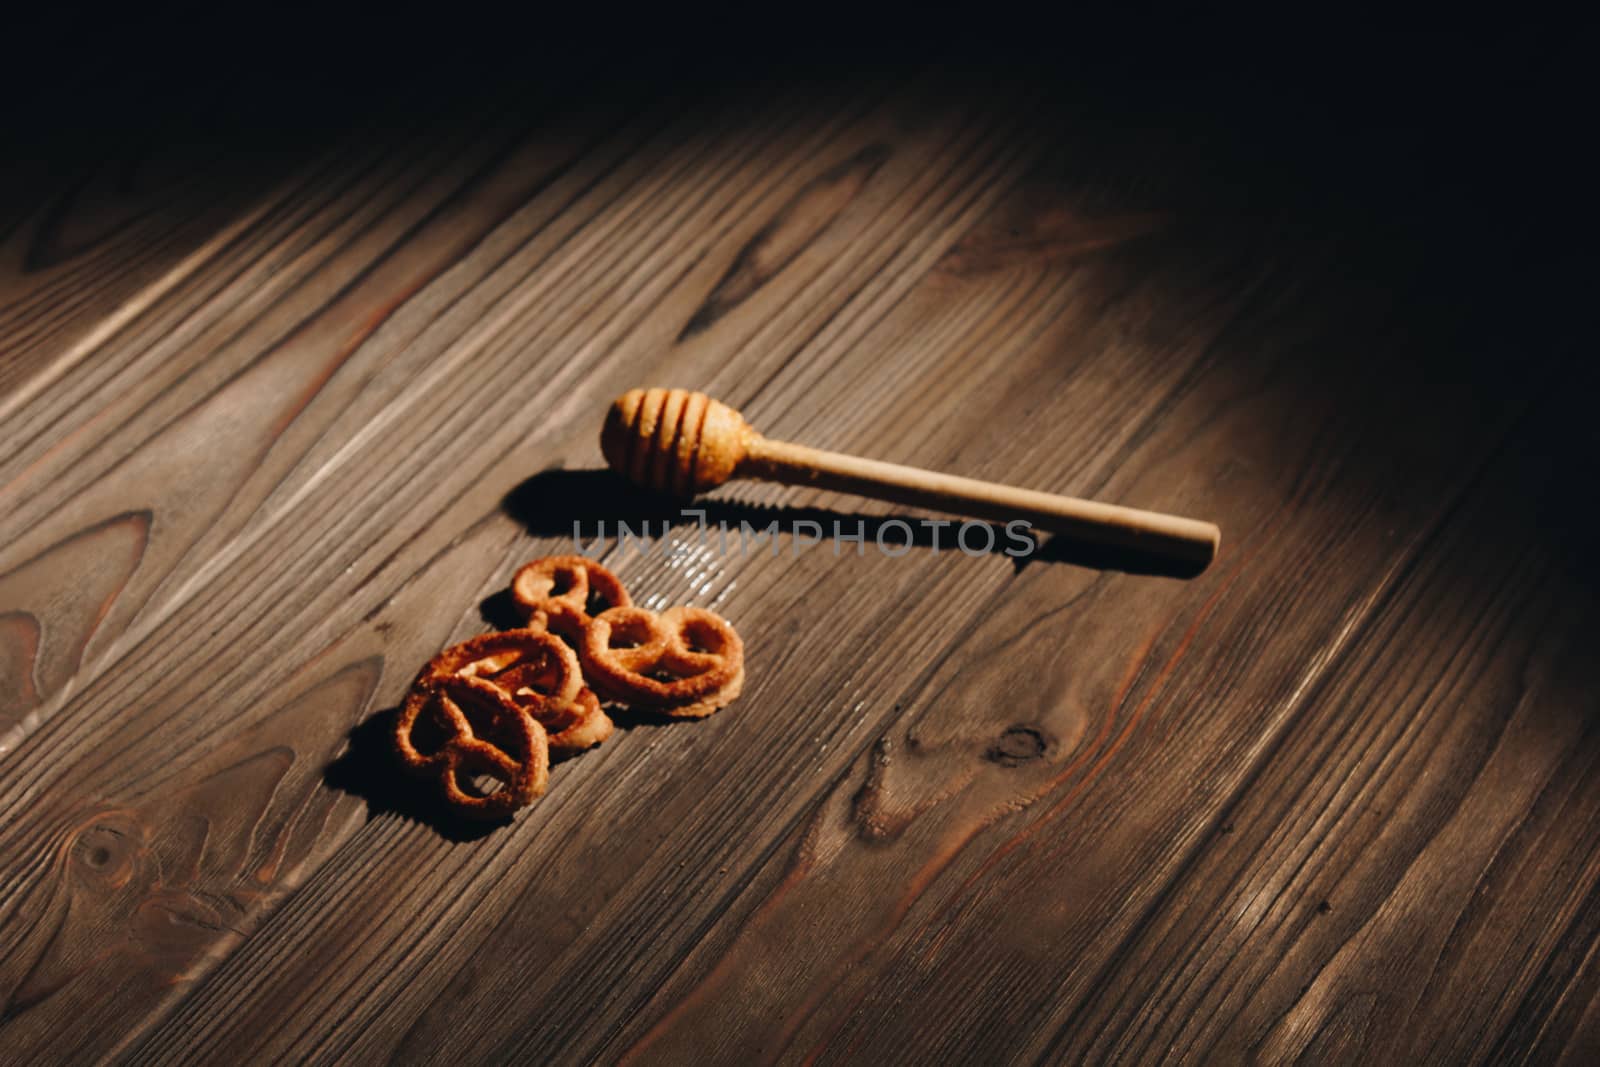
1411 877
681 890
1021 306
323 367
938 840
156 699
90 237
1135 738
111 511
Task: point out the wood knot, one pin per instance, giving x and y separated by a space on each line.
108 851
1016 745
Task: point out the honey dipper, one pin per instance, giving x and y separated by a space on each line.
678 442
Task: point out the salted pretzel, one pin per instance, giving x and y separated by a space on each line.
460 726
558 592
576 724
539 674
685 662
500 704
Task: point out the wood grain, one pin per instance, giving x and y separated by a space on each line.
922 831
646 862
175 697
1328 800
1420 849
89 241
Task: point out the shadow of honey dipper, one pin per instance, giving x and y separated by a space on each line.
678 442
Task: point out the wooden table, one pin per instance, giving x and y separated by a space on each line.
275 428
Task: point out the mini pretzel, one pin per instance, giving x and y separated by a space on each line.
539 674
685 662
575 725
554 593
470 727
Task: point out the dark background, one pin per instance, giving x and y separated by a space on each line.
1472 137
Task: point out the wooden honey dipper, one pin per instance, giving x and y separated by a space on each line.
678 442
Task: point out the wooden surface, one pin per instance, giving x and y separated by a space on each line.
270 436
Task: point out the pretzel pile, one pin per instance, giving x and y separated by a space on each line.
500 704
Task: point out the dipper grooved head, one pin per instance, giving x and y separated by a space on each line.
673 440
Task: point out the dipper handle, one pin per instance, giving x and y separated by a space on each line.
1146 532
